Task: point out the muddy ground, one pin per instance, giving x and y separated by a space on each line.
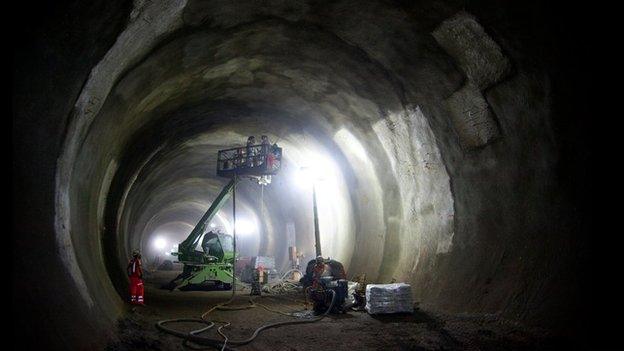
355 330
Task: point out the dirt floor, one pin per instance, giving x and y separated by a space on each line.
354 330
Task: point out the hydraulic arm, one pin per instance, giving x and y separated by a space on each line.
186 249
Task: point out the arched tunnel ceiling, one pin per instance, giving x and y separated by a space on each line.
361 89
274 78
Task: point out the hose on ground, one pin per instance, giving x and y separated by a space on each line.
283 285
289 272
194 336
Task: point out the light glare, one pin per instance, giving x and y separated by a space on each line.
160 243
245 227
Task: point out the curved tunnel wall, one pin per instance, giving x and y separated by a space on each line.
471 229
326 116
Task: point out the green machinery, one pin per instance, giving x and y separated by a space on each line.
212 268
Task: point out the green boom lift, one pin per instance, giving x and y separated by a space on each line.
213 267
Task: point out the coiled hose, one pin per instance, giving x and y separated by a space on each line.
194 336
283 285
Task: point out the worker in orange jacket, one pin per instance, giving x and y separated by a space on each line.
135 272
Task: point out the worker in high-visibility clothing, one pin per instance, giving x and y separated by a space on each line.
135 272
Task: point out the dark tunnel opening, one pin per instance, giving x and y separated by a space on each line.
446 133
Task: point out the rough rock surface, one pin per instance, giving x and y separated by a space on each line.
119 112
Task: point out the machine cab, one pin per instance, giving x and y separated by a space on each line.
218 245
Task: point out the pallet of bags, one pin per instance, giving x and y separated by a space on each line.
389 298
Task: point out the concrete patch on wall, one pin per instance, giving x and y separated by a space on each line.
481 59
484 64
231 67
471 117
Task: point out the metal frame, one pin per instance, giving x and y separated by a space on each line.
256 160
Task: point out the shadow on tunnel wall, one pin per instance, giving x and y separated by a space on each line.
53 54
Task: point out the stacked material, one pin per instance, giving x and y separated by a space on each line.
389 298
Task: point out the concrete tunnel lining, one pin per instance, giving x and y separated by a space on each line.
348 103
184 73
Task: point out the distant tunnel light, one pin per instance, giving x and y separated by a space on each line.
160 243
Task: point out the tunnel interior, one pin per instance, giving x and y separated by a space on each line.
433 130
379 159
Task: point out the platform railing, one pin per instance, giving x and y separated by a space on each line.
257 160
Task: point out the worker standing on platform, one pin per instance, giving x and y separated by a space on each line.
275 157
264 151
266 146
135 272
251 150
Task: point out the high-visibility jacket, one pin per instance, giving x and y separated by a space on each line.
135 272
134 268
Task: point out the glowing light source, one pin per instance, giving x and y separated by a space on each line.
160 243
212 225
245 227
309 175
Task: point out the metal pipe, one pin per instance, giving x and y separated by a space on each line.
234 235
317 235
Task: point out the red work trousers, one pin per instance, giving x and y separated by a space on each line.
136 291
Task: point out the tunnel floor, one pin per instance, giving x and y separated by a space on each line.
418 331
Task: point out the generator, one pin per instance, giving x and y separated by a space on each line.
322 277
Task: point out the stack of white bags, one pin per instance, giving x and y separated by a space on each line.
389 298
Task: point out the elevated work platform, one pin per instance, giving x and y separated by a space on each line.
257 160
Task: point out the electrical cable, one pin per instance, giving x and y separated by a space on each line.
194 337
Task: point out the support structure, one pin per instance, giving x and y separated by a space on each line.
317 234
235 179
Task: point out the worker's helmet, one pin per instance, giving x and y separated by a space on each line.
319 259
136 253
